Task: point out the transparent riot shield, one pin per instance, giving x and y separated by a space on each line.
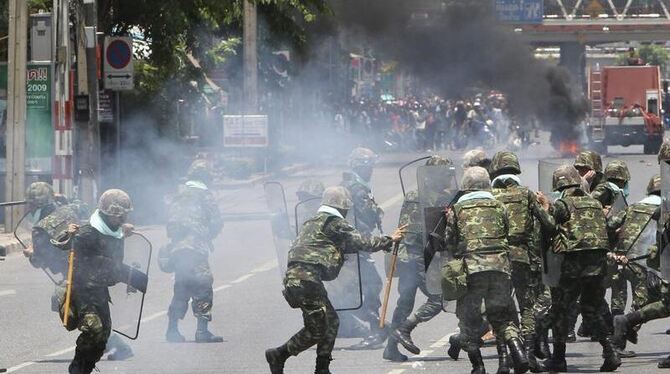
639 248
279 222
23 234
305 210
618 205
127 296
346 291
407 174
545 175
663 221
437 187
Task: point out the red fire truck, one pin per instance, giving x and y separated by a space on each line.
626 107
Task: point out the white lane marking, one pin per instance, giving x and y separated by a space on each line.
7 292
396 371
20 366
262 268
442 342
392 201
62 352
242 278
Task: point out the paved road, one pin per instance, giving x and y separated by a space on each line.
249 310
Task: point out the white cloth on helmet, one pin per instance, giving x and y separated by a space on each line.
651 200
476 195
196 184
330 210
505 177
99 224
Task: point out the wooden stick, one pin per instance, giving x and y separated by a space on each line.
389 283
68 288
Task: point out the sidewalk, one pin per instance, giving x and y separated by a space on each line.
9 244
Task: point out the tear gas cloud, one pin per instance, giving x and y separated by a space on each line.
461 46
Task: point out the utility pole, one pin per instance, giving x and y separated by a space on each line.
15 178
89 137
250 58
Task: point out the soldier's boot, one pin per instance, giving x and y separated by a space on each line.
612 360
477 362
172 335
454 346
584 331
624 327
557 361
276 357
518 354
392 353
503 357
203 335
541 345
533 364
571 338
665 364
323 365
79 365
403 335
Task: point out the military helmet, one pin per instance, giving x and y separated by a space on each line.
654 185
584 160
664 152
39 194
362 157
199 171
311 187
115 203
565 176
475 157
476 178
438 161
337 197
597 161
505 160
617 169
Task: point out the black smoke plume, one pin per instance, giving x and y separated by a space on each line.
461 45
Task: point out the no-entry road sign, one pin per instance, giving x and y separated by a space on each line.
118 67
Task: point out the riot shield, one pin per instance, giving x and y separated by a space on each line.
407 173
346 291
643 242
663 221
279 222
437 187
545 171
24 235
618 205
127 296
305 210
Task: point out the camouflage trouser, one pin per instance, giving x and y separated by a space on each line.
319 316
581 279
372 289
495 289
637 276
95 324
658 309
528 288
193 282
411 278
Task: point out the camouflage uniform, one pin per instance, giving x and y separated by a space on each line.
367 215
98 265
317 256
589 160
194 221
581 236
476 232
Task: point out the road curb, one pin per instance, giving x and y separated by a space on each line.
10 245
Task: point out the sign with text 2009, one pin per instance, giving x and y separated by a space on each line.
519 11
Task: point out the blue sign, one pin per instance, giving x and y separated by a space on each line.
520 11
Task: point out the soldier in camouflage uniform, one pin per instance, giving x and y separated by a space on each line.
317 256
194 221
98 253
412 277
616 181
476 232
368 217
50 245
589 164
476 157
579 232
521 203
624 228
